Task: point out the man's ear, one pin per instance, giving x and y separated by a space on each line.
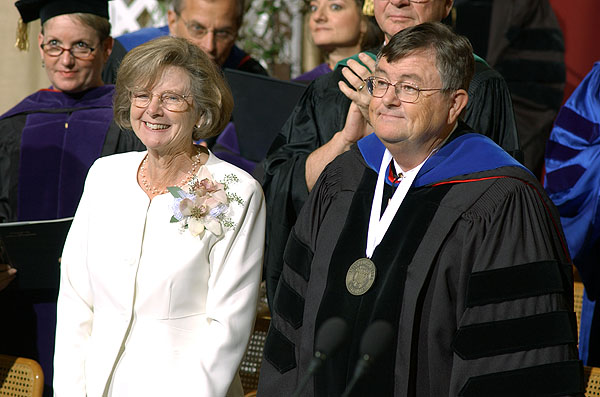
459 99
448 7
171 21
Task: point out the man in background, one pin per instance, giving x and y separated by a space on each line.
212 25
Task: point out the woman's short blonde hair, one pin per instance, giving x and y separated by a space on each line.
143 66
99 24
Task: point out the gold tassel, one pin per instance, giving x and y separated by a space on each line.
22 36
368 8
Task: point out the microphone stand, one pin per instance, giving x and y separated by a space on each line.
314 365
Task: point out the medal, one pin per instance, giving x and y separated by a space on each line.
360 276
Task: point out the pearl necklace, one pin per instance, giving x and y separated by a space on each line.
153 190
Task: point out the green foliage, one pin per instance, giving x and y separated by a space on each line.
267 30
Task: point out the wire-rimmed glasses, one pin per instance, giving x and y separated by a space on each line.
79 51
405 92
198 31
169 100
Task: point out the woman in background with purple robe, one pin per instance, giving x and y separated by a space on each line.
50 139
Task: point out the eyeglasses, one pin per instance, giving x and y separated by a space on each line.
80 51
168 100
406 92
198 31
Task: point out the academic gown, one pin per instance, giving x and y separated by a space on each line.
573 183
315 72
523 41
321 112
473 275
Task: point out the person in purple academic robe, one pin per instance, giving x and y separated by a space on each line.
47 144
50 139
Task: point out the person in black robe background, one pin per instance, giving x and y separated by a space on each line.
472 275
321 113
523 41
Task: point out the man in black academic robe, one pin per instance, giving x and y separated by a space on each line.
472 275
321 113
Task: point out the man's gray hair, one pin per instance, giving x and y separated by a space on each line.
453 52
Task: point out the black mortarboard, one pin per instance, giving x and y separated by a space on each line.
31 10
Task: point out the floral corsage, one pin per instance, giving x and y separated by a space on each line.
204 204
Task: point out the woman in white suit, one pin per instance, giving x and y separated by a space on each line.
161 268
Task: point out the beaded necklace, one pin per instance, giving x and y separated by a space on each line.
153 190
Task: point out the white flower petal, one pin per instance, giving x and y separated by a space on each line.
214 226
220 196
196 227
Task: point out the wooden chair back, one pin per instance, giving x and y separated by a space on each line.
20 377
250 366
578 301
591 376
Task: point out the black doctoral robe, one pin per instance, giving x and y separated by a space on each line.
473 275
320 113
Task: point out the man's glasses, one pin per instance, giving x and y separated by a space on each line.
168 100
406 92
79 51
198 31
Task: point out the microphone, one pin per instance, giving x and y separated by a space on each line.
330 336
375 340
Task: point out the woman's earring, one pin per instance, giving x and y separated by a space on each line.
43 64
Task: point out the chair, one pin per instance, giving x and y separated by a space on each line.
578 301
591 378
250 367
20 377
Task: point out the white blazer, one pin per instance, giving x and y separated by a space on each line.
146 309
